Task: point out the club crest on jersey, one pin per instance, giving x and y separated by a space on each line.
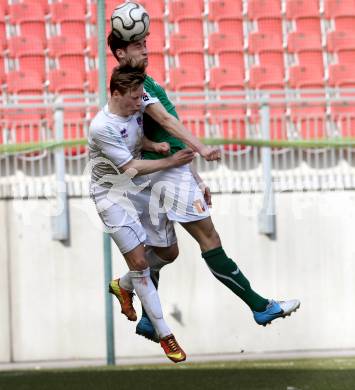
139 120
145 97
124 133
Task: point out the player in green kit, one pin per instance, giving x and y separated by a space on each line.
185 203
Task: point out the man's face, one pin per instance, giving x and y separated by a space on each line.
131 101
136 51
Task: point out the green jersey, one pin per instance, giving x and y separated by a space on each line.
152 129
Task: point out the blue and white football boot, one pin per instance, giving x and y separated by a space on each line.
146 329
276 309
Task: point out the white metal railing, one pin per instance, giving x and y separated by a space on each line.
318 114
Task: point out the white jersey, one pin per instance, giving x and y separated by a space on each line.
115 138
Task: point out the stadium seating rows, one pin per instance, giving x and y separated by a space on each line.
194 45
229 35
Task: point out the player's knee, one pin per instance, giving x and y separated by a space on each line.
212 239
168 254
139 264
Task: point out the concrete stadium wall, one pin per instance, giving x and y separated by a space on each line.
57 293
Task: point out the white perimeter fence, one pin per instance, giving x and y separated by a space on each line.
292 115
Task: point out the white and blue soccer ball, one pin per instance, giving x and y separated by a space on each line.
130 22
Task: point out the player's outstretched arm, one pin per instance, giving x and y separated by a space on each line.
158 147
144 167
178 130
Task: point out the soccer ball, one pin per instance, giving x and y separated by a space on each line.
130 22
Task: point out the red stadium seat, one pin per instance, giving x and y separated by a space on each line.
155 8
270 26
306 76
2 33
25 124
24 82
298 41
31 11
30 16
29 52
265 75
302 8
308 25
30 28
156 44
180 9
341 75
181 43
272 58
4 5
66 81
307 47
340 40
346 56
231 59
61 45
345 23
156 67
222 78
264 8
259 42
219 9
22 45
334 8
67 10
218 42
231 26
69 50
193 58
186 79
156 28
268 47
191 27
70 16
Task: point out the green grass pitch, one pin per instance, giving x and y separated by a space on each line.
307 374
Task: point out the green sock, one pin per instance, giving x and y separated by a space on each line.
227 272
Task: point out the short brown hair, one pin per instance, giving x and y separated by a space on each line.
130 75
115 43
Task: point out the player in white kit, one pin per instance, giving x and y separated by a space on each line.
115 141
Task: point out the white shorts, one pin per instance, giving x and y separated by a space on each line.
120 219
174 197
147 215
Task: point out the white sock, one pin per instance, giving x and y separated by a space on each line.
149 297
126 282
155 262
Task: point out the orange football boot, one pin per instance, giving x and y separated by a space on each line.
125 298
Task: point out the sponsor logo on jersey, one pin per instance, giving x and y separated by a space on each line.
124 133
199 206
145 97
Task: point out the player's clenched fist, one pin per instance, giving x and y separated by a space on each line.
162 148
211 153
182 157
